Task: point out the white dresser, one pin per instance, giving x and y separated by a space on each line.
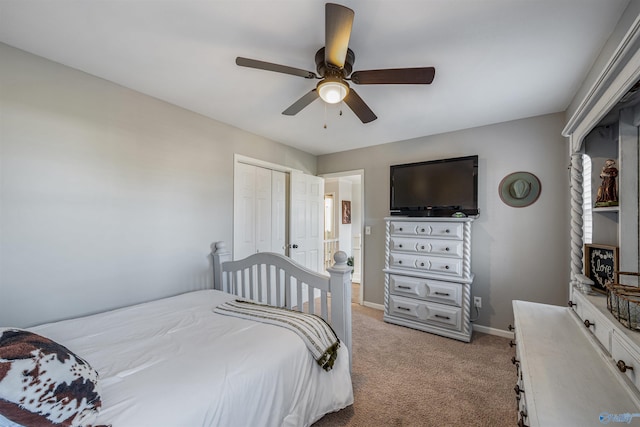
566 375
428 275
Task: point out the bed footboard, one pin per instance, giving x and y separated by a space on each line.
277 280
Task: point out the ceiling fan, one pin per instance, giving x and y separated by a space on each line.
334 64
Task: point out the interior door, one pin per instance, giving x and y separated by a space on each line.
306 220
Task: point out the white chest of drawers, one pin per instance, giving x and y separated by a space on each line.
428 275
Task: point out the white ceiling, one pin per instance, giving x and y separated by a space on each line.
496 60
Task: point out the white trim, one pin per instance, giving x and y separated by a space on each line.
374 305
360 172
621 72
493 331
239 158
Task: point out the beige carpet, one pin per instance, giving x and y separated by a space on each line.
405 377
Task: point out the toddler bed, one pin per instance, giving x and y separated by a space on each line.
177 362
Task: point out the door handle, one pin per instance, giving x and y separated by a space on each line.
294 246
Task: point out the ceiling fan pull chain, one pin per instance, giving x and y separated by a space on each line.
325 115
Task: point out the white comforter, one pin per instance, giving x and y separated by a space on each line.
174 362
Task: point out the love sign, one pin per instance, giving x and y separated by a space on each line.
601 265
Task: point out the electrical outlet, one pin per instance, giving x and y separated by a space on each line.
477 302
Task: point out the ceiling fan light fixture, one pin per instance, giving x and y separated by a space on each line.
332 91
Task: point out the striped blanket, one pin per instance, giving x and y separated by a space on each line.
318 336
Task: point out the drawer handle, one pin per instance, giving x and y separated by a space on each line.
446 231
404 287
444 294
422 247
511 328
404 308
512 343
521 423
518 390
422 264
523 414
446 267
571 304
623 366
400 245
514 360
439 316
446 249
422 230
400 262
400 229
588 323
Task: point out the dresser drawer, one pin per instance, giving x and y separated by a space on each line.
448 230
444 230
452 248
404 228
626 359
426 312
440 265
426 289
598 324
405 244
400 260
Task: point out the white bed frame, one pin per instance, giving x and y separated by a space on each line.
277 280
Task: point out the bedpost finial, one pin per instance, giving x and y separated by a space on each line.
219 247
340 257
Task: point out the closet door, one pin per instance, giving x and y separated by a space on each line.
244 211
262 209
252 224
279 212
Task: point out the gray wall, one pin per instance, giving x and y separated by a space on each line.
108 197
517 253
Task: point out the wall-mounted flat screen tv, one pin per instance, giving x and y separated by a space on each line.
435 188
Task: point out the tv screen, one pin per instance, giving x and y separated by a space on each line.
435 188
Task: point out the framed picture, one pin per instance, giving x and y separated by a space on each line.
346 212
601 265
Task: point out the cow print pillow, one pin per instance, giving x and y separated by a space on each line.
42 383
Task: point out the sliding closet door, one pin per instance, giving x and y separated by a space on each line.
279 187
254 211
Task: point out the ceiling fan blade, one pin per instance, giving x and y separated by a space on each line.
337 31
297 106
422 75
261 65
359 107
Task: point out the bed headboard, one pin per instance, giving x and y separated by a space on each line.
277 280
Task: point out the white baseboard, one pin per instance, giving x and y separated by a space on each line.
374 305
493 331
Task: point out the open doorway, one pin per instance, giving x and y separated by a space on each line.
344 223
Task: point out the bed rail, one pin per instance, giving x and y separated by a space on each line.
277 280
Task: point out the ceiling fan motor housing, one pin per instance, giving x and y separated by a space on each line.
325 69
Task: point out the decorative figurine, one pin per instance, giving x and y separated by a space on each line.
608 190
